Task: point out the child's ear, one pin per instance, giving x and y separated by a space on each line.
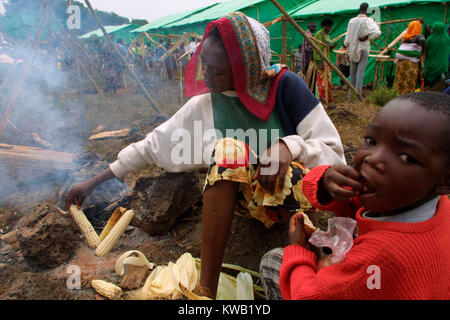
444 186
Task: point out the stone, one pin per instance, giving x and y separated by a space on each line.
158 201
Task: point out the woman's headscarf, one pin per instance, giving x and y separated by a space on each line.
248 47
437 50
414 29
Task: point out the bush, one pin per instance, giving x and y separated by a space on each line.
382 95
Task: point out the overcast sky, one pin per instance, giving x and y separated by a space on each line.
150 10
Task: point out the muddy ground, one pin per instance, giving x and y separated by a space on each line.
38 264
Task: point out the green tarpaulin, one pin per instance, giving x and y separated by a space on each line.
120 31
155 25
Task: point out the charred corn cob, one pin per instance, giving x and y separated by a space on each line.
107 289
113 236
85 226
116 215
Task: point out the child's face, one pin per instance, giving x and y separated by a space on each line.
401 159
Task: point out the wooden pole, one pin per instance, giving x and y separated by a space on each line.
284 50
305 35
374 85
133 73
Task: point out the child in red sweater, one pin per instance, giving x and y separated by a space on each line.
397 192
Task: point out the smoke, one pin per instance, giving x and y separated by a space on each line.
41 109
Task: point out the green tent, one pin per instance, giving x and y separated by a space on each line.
119 32
158 25
385 10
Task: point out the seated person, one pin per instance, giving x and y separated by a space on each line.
397 192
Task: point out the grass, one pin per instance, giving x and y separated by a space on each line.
382 95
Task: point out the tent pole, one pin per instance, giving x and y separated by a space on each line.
305 35
144 90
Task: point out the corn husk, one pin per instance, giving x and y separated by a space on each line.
126 258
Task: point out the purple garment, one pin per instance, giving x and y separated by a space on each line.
307 52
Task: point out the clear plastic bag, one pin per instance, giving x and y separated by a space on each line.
338 238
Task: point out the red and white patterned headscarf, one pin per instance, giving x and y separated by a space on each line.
248 46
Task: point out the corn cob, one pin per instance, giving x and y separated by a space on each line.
116 215
113 236
107 289
85 226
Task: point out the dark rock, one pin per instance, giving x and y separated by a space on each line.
46 237
158 201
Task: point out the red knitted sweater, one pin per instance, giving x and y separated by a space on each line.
389 260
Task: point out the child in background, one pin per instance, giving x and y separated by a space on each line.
397 192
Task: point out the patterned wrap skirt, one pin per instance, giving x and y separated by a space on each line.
406 75
234 160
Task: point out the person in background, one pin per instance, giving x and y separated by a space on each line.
397 192
360 30
307 49
408 59
111 66
235 88
298 60
343 62
436 55
324 36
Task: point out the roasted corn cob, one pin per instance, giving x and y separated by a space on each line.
116 215
85 226
113 236
107 289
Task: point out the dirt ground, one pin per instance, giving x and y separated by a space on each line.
249 239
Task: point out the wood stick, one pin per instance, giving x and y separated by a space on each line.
305 35
133 73
397 21
393 43
172 50
284 49
274 21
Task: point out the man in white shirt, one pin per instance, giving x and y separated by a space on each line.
360 30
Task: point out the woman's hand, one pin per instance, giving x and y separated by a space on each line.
81 191
273 166
341 182
78 193
297 234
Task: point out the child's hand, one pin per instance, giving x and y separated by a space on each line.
297 234
341 182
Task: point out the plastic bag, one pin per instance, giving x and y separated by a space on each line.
338 238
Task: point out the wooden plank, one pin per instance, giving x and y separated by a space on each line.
24 156
111 134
